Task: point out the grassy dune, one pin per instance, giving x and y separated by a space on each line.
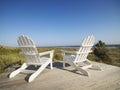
114 53
10 56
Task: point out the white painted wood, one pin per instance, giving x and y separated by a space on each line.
78 59
32 57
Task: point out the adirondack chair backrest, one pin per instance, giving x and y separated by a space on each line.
28 49
85 49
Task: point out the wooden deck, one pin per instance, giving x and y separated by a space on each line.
68 79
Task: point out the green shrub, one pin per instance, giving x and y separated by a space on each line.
101 51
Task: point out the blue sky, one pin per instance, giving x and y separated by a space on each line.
59 22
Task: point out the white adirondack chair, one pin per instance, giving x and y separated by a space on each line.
78 59
32 57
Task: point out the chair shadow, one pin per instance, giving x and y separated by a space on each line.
59 65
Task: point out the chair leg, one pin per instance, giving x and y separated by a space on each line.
63 64
41 68
80 69
51 65
83 71
14 73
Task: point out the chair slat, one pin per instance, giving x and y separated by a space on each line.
84 49
28 49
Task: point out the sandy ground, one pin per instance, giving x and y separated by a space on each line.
68 79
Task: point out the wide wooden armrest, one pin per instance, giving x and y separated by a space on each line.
47 52
66 51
